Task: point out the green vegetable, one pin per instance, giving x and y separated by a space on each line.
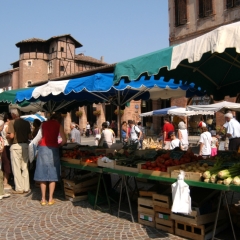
231 172
213 178
227 181
236 180
207 180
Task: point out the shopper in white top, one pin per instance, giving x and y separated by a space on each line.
233 132
175 142
135 132
88 129
183 135
205 141
106 137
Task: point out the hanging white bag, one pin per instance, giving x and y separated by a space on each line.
181 196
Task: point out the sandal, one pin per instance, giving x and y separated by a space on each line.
51 202
43 203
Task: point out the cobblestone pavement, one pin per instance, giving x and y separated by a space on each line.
22 217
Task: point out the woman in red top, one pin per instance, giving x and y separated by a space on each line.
48 159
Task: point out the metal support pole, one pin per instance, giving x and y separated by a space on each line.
216 220
229 214
124 185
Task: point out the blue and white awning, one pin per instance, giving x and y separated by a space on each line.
32 117
99 88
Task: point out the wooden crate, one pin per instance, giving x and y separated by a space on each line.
163 219
111 164
77 191
77 198
195 219
145 205
152 172
194 176
162 200
90 164
146 193
202 232
146 219
71 160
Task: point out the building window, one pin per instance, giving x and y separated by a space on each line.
205 8
180 12
29 63
61 68
233 3
52 50
62 49
49 67
29 83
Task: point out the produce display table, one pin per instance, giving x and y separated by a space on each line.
123 174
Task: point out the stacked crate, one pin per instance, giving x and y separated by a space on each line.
162 207
146 211
199 224
77 190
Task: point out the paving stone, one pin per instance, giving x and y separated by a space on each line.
24 218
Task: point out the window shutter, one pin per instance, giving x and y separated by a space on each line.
229 3
180 12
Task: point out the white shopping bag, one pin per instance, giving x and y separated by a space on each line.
181 196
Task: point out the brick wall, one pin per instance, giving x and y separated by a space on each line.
37 71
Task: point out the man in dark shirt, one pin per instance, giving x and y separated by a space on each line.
20 132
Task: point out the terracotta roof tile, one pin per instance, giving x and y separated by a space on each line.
77 44
82 57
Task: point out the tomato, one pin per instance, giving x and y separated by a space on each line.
149 168
157 169
153 164
144 166
148 163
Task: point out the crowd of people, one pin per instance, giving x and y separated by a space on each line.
17 136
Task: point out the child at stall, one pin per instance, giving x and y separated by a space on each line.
214 143
175 142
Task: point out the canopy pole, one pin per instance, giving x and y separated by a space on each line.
119 116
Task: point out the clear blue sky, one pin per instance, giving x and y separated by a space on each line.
115 29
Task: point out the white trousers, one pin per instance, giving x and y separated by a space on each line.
19 160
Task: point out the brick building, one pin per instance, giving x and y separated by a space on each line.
56 59
189 19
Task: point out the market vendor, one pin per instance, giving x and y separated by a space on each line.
232 131
167 127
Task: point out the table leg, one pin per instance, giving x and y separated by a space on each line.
229 214
125 185
216 220
222 193
98 186
106 192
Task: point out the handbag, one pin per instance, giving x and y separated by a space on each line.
98 136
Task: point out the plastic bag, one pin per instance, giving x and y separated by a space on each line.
181 196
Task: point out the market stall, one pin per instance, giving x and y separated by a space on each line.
223 107
164 166
179 111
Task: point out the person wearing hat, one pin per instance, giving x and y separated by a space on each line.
205 140
167 127
183 135
232 131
